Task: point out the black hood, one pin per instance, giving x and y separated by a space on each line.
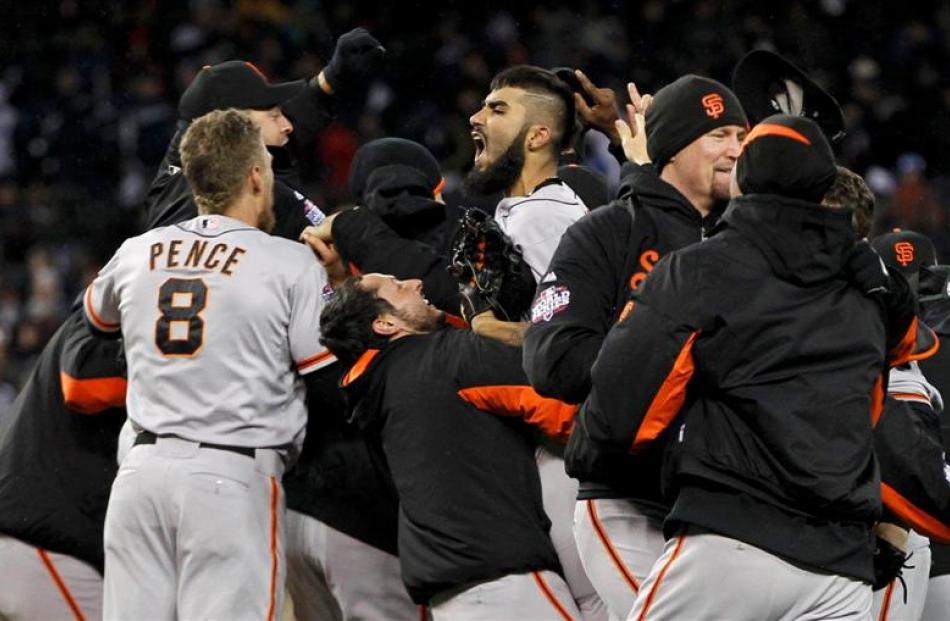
642 183
402 197
935 297
803 242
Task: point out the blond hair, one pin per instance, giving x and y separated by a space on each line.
218 151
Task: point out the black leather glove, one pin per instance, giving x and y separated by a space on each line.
888 563
355 55
472 303
866 270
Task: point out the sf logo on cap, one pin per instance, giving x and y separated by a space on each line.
713 104
904 252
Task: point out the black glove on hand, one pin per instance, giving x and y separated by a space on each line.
354 57
866 271
888 562
472 303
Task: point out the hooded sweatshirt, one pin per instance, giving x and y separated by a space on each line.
766 366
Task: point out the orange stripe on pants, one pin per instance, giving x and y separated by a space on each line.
550 595
886 600
614 556
659 578
274 495
63 589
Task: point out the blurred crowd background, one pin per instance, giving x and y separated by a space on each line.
88 94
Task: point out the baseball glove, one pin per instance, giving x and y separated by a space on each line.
889 558
490 269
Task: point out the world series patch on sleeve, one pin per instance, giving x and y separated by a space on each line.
549 303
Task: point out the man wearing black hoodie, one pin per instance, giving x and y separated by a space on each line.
767 365
693 130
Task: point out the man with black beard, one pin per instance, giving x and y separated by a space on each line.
519 132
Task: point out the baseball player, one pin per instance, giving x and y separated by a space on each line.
661 207
909 253
219 320
773 469
523 124
57 461
290 115
473 540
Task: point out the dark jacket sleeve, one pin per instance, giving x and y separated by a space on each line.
574 306
92 370
309 112
489 376
914 486
640 378
366 242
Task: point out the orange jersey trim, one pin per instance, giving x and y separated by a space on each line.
91 396
360 366
456 322
61 585
97 321
601 533
913 516
549 594
555 418
321 358
911 396
659 578
439 186
274 504
877 400
669 399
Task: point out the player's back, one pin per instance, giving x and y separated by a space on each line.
215 315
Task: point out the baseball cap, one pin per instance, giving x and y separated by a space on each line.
788 156
906 251
767 84
686 109
233 84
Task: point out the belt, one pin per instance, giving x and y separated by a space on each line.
147 437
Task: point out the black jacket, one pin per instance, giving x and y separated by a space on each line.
169 200
767 365
935 308
601 258
58 444
470 497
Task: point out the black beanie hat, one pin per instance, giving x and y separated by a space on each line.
233 84
788 156
389 151
683 111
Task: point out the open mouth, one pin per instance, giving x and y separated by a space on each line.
479 141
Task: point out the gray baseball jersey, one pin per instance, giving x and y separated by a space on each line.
537 221
219 320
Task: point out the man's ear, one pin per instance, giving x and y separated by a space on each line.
386 325
257 179
539 136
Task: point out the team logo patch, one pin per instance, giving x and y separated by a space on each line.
713 104
327 293
904 253
549 303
